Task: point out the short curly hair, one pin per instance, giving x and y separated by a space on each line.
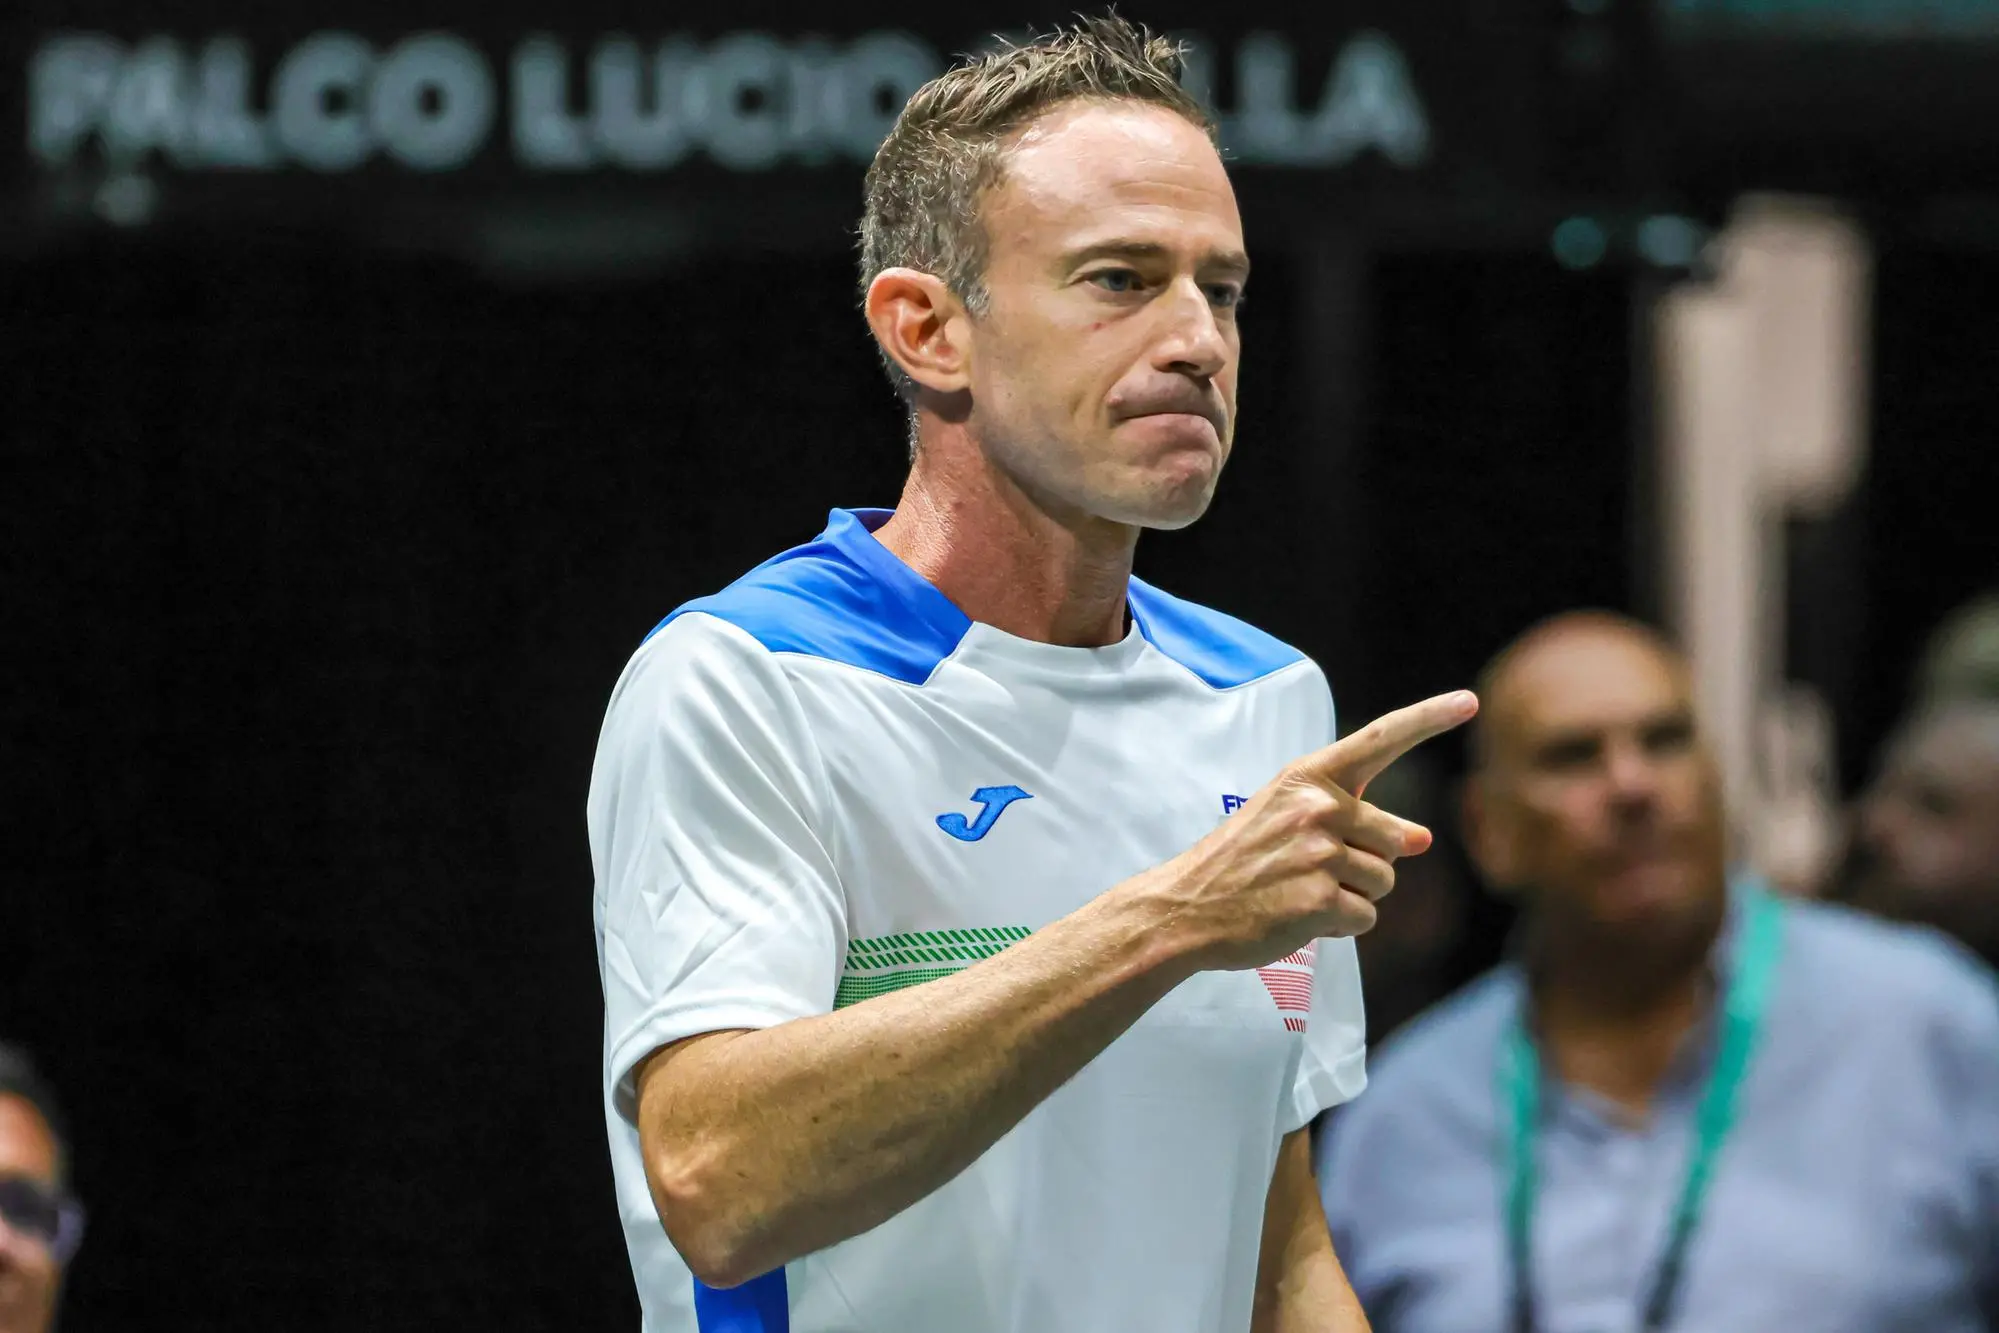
948 147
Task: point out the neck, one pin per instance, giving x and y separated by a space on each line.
1612 1019
1005 557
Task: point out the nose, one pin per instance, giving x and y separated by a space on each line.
1194 343
1633 775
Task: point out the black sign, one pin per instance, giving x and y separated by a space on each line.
432 118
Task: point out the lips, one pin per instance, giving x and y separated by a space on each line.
1204 411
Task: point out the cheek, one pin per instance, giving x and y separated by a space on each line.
1951 850
38 1266
1555 824
1576 813
1695 790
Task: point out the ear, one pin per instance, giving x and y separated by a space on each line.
1488 836
922 326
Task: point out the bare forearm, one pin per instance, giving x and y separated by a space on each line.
777 1143
1301 1286
764 1146
1313 1297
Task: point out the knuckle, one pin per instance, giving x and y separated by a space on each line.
1295 776
1322 895
1300 826
1320 845
1357 916
1320 805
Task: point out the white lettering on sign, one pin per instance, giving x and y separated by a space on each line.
431 103
334 103
750 101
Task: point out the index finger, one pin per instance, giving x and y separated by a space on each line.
1359 759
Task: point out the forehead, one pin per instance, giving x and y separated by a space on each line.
1097 170
1960 746
26 1146
1590 680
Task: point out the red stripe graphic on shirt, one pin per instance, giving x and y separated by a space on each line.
1289 981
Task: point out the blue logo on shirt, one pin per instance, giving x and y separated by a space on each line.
1231 804
994 799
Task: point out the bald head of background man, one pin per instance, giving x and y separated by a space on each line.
1593 800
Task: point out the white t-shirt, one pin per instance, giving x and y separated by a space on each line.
825 783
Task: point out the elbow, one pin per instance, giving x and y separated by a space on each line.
711 1230
713 1257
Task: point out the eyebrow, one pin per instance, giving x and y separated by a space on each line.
1231 262
1677 718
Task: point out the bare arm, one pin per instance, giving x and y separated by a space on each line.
812 1131
764 1146
1300 1286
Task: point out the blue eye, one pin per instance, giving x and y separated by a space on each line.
1226 295
1119 280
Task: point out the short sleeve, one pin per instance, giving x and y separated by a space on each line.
1968 1026
718 905
1333 1068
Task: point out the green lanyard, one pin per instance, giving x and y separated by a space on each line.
1520 1085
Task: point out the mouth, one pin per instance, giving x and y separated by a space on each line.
1207 425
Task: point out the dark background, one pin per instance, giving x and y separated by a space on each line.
321 558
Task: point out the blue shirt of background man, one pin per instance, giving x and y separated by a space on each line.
1857 1193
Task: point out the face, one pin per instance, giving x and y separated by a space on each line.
29 1276
1103 371
1929 826
1597 797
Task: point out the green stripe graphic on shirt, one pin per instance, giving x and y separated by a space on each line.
890 962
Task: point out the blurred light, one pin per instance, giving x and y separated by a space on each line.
1671 242
1579 243
127 200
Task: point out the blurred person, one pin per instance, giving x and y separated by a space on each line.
1927 828
40 1224
1685 1102
1961 659
974 919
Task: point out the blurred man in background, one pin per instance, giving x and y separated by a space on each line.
1961 660
1927 830
40 1225
1923 839
1712 1109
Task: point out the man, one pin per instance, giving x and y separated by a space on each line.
1927 835
40 1225
951 983
1683 1106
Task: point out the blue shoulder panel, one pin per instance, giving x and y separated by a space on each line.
761 1305
1220 649
845 598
